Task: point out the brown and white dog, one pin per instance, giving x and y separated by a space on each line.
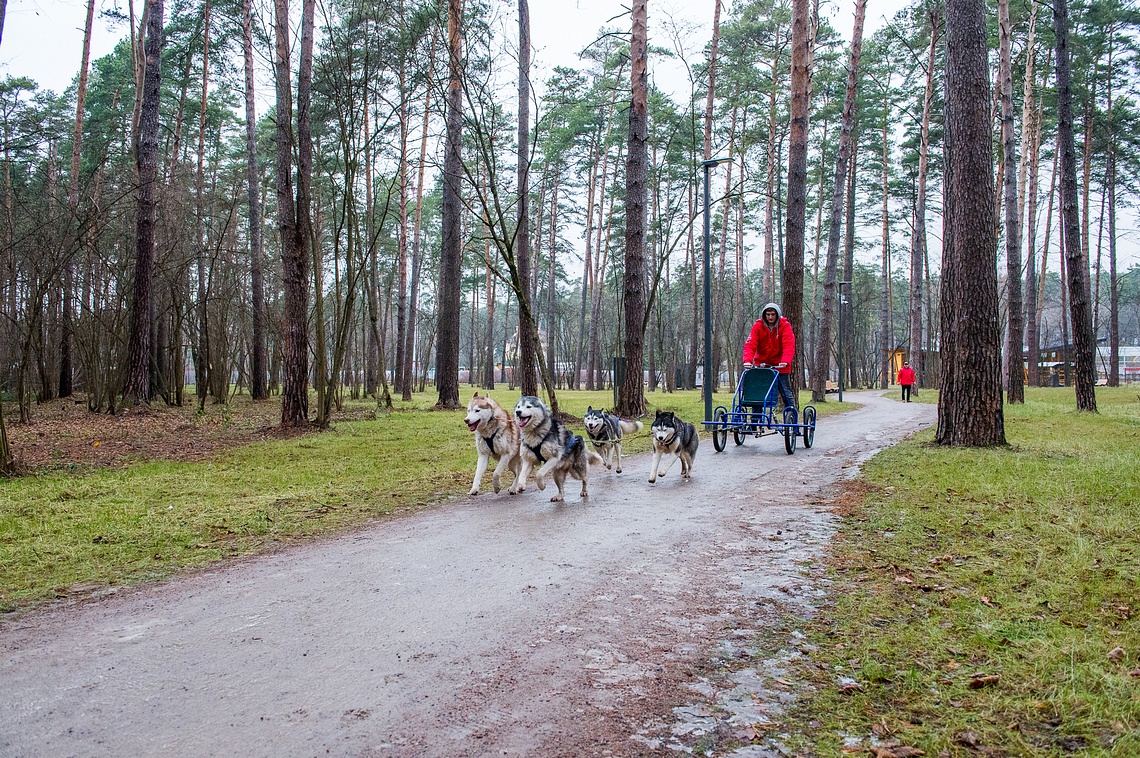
496 436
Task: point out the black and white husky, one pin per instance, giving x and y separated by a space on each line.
675 438
605 430
549 445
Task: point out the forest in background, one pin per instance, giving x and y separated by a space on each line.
371 204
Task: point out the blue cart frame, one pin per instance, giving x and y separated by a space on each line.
754 413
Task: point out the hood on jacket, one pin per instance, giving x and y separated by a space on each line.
773 306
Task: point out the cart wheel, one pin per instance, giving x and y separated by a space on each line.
720 430
809 426
790 430
738 436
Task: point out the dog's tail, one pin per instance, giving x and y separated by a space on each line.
593 458
629 427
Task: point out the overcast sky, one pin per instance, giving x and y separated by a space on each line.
43 38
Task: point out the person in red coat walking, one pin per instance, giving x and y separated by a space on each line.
906 379
772 344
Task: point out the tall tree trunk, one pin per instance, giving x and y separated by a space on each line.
835 228
1031 127
202 367
1075 260
137 389
1113 283
631 396
401 378
258 364
849 260
294 252
918 250
768 290
1015 375
885 336
451 251
793 281
414 293
528 342
65 367
970 404
551 279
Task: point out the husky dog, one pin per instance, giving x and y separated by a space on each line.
605 430
673 437
496 436
546 442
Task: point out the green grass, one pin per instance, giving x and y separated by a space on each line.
1021 563
63 533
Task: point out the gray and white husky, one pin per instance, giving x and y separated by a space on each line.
675 438
605 430
548 444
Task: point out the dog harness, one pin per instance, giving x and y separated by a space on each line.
491 440
537 451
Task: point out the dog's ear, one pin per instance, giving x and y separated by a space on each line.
590 409
476 395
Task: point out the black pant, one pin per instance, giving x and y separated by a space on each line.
906 393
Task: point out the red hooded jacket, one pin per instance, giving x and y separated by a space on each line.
771 345
906 375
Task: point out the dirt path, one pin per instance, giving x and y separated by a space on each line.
494 625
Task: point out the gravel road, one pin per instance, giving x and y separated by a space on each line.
494 625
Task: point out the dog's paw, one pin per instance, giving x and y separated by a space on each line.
556 499
475 491
618 469
541 483
661 473
652 479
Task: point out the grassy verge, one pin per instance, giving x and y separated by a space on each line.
64 533
986 602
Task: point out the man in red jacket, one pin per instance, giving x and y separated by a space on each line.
773 345
906 379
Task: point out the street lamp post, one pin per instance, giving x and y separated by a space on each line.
710 372
840 361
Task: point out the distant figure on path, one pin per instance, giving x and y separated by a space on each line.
906 379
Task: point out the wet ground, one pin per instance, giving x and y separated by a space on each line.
495 625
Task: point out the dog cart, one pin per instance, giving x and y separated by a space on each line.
754 414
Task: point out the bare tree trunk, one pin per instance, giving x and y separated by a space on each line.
401 377
970 404
885 347
918 249
1113 283
65 367
451 252
849 259
1015 376
257 386
793 281
202 367
1077 263
137 389
294 248
631 396
842 160
528 343
551 279
413 298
